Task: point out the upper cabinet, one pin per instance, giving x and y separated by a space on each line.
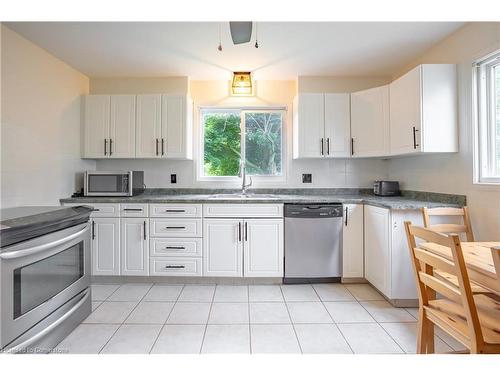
370 122
109 122
321 125
423 110
142 126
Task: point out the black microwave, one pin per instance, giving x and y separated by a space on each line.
113 184
386 188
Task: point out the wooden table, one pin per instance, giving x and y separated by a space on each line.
478 259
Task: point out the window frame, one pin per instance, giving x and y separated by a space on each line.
485 131
260 179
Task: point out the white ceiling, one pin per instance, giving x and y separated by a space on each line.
287 49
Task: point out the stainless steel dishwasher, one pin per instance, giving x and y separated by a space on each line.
313 243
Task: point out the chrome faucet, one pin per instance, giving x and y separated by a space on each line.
243 176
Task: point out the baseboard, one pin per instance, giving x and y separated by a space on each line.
187 280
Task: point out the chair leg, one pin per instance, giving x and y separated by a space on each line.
422 332
430 337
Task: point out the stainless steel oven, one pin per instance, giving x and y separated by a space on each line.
102 183
45 289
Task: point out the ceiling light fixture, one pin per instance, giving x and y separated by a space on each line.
242 84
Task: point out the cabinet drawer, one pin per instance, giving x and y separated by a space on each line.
104 210
175 266
175 210
243 210
133 210
175 247
175 228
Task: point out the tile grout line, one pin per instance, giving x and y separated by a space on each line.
249 324
121 324
166 320
291 321
331 317
208 318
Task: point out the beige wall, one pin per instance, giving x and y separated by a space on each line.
339 84
326 173
40 124
452 173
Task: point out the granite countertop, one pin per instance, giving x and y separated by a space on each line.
408 200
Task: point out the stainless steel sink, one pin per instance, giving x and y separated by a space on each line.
239 196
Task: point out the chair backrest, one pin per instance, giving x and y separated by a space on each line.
495 254
424 264
466 227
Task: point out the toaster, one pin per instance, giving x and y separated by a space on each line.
386 188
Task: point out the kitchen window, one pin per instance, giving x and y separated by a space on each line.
230 136
488 120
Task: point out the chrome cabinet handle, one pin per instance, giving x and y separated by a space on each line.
346 211
175 267
110 147
144 230
93 229
175 227
132 209
328 146
352 146
322 147
36 249
246 231
175 247
105 146
239 231
157 146
415 144
44 332
162 146
175 210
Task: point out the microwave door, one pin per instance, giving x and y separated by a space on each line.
107 184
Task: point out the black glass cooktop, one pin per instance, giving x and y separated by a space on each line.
23 223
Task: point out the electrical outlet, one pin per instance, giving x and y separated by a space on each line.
307 178
173 178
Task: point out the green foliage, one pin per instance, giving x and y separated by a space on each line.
222 144
263 143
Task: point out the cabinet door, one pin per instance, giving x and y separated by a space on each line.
309 126
377 248
122 126
105 246
222 247
370 122
263 248
405 112
96 122
352 237
148 129
134 247
337 125
174 127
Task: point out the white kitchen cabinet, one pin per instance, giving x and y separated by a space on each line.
96 125
134 246
148 128
109 126
105 240
378 248
222 247
176 127
353 244
423 110
321 125
263 247
122 127
370 125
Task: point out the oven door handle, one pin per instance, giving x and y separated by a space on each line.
39 248
44 332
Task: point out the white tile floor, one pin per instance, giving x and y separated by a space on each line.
323 318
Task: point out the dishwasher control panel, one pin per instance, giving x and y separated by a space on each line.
313 210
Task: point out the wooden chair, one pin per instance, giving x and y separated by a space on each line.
473 320
464 229
495 254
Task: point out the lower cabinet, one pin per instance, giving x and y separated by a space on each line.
352 242
243 247
134 246
105 235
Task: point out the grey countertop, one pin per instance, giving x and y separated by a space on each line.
408 200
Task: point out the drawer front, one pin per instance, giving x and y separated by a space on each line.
175 267
133 210
243 210
105 210
175 210
175 228
175 247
